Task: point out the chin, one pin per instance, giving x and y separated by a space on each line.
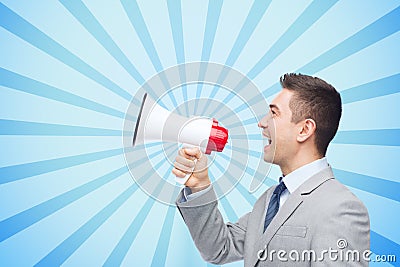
268 159
269 155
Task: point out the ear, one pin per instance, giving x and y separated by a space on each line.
308 127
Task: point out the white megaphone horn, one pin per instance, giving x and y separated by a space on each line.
155 123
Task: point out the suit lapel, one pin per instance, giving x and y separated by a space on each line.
289 207
284 213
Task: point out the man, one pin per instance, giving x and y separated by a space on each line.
309 219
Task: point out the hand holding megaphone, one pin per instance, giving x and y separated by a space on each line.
191 168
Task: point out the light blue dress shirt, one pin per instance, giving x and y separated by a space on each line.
297 177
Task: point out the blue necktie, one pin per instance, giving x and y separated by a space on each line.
273 205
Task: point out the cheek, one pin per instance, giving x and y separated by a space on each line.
272 125
285 134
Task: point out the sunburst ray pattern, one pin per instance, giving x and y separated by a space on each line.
73 190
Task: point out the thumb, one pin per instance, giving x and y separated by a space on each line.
193 151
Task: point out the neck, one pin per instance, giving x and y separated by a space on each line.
298 161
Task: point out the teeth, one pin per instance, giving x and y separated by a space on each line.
268 138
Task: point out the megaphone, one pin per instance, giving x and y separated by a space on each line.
156 123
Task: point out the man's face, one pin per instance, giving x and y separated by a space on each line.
278 129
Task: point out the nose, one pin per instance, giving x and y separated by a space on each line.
263 122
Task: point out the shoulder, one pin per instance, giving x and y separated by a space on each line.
334 197
264 196
260 204
338 214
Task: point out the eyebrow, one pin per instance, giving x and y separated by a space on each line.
273 106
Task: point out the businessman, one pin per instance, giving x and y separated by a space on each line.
309 218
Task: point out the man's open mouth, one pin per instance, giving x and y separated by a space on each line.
269 138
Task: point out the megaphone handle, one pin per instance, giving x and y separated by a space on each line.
184 179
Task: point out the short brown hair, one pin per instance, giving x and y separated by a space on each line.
315 99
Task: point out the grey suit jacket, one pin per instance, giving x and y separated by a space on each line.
322 216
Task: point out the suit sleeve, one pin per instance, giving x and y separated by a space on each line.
346 229
217 242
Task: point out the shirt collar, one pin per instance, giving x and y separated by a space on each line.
297 177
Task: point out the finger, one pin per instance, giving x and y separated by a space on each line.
183 153
184 161
193 151
178 173
182 167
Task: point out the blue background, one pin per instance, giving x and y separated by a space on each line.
69 69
